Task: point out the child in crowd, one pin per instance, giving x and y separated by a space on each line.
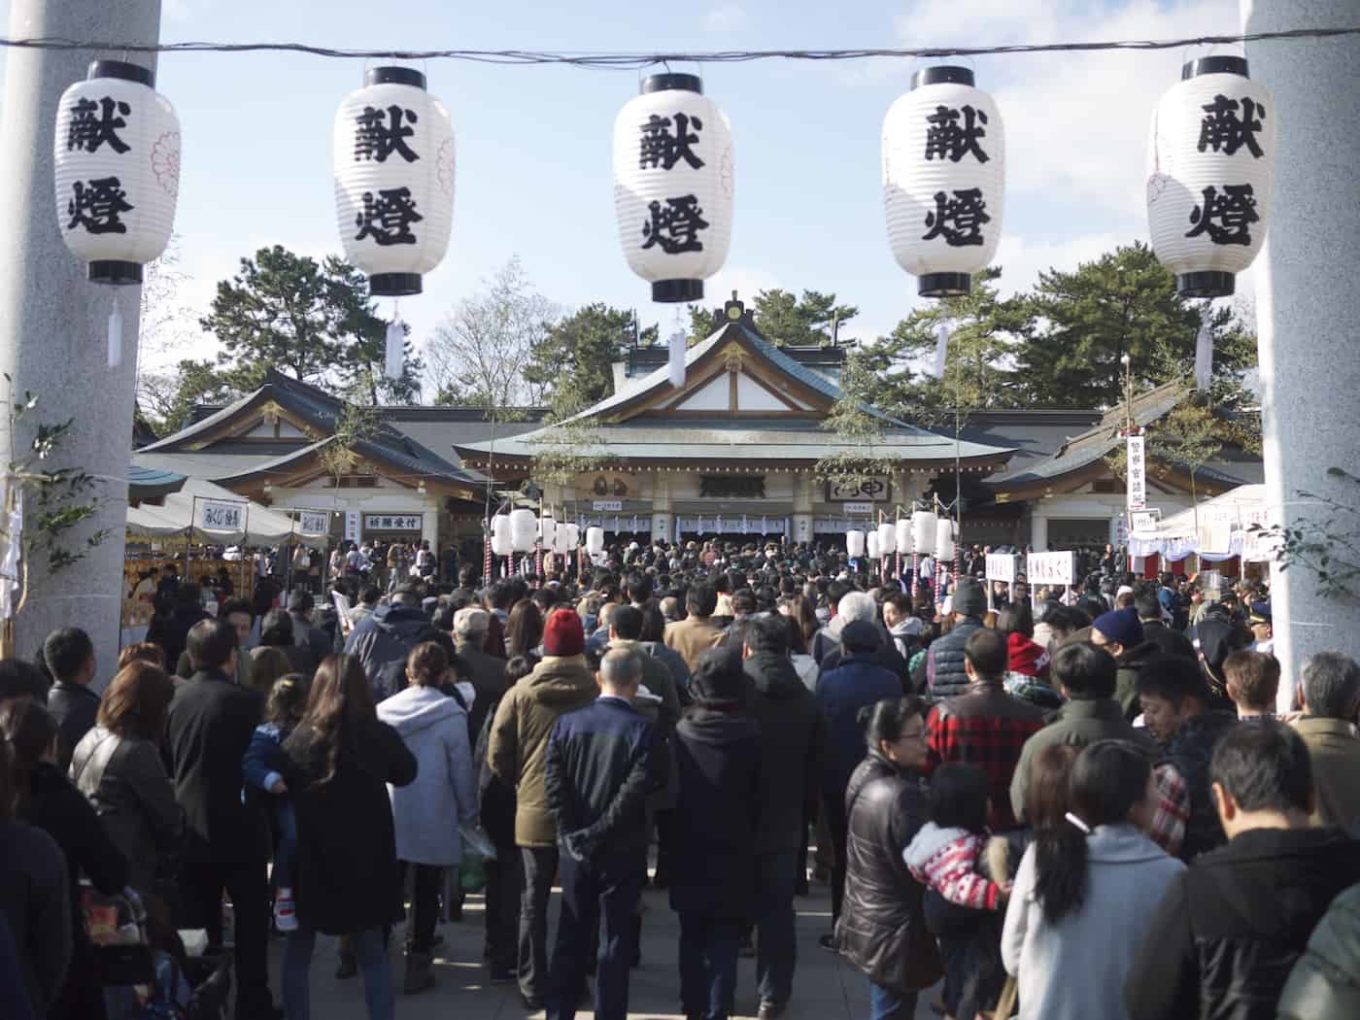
961 904
260 768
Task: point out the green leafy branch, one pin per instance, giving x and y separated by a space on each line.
1327 546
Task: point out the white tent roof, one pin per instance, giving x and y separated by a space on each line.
1215 530
184 514
1238 502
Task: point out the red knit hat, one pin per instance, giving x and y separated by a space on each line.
563 634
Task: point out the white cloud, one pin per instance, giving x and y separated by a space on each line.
1021 261
726 19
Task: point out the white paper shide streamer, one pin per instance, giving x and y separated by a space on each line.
115 333
941 349
676 362
1204 350
394 351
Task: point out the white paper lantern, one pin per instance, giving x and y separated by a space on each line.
562 542
871 545
887 539
393 160
573 536
501 544
523 530
903 536
923 531
594 541
944 157
116 154
854 543
944 539
547 529
1210 169
673 185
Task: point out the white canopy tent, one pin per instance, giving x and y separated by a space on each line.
1217 529
209 513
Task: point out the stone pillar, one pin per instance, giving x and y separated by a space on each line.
1038 531
53 322
1307 315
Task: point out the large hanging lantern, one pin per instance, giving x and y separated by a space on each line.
887 538
547 530
594 541
501 542
854 543
1211 162
393 161
923 531
117 170
573 535
673 185
944 539
523 530
944 156
903 537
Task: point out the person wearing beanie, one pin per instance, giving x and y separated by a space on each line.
713 831
516 754
945 673
1120 632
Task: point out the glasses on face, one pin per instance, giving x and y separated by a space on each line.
917 735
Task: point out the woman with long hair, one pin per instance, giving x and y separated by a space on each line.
337 763
524 630
882 928
119 769
1087 889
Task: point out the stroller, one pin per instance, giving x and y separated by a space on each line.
146 982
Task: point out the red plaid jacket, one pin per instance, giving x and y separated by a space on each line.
985 727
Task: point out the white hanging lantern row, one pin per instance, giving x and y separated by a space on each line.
573 535
673 177
1210 166
523 530
116 152
944 539
547 530
393 161
501 541
872 546
904 544
887 538
944 158
854 543
594 541
923 531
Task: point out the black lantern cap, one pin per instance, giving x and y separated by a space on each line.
1208 284
122 70
668 81
945 284
676 291
394 76
114 272
1214 65
944 74
394 284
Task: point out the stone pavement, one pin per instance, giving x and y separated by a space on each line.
825 988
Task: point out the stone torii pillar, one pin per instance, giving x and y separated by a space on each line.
53 322
1308 318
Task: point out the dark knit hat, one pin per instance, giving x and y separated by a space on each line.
718 677
1120 626
969 598
860 636
563 633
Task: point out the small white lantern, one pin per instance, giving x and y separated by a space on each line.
854 543
673 185
562 539
904 535
393 161
944 158
116 154
887 539
594 541
923 531
573 536
547 530
871 545
523 530
501 544
1210 169
944 539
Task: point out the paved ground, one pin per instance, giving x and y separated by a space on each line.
825 988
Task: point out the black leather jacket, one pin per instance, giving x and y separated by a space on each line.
882 930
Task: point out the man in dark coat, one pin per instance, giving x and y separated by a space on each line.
714 832
314 642
792 737
208 729
1175 702
70 659
384 640
1120 633
1171 642
1231 926
487 673
857 683
600 766
945 675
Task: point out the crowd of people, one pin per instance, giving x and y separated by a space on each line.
1110 800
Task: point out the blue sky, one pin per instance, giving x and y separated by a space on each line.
533 173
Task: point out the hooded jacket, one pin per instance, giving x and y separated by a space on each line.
428 811
856 683
1075 969
384 640
1190 751
519 737
792 740
882 929
1231 927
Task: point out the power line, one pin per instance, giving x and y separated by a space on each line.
634 61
